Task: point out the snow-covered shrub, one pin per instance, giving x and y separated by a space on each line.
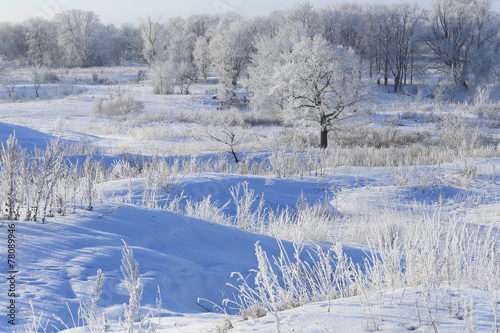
50 77
284 284
168 75
228 98
207 210
47 170
453 254
300 223
119 105
90 174
157 181
130 271
93 321
244 198
12 158
461 135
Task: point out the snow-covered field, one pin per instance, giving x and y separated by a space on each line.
413 193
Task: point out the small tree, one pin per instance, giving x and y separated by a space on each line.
37 76
318 82
228 129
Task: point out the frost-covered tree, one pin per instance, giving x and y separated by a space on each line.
3 66
485 53
174 66
13 41
201 24
152 35
111 45
78 37
168 75
179 41
42 42
459 31
271 51
201 57
318 82
303 14
395 32
228 128
132 41
231 48
37 75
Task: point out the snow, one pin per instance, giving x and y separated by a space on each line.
191 260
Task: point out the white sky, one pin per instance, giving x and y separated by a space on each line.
121 11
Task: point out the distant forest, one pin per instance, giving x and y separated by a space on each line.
457 40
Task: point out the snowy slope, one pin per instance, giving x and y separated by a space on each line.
27 138
186 258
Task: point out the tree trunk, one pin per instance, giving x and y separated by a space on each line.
234 155
324 132
324 138
397 83
465 85
386 72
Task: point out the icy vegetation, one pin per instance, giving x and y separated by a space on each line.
319 169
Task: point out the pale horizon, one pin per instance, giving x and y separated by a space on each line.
119 12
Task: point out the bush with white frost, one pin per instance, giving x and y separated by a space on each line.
119 105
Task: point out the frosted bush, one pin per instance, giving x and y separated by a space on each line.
459 134
120 105
207 210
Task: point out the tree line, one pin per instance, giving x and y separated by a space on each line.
314 61
456 38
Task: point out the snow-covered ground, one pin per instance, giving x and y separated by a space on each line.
191 260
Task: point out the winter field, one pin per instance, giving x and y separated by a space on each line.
394 227
328 169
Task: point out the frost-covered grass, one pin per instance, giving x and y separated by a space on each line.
393 227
